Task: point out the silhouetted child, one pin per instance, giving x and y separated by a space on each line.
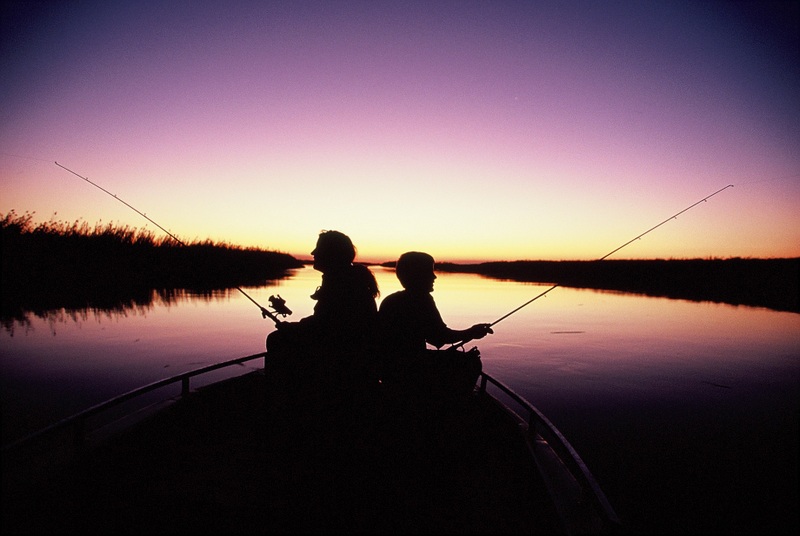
424 389
409 321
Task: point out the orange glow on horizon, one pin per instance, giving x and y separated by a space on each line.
474 134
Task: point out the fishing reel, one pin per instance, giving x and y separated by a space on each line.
278 305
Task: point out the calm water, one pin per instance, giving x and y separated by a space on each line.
687 413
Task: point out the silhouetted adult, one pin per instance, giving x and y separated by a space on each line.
409 321
336 337
320 368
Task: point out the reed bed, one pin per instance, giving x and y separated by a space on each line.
53 263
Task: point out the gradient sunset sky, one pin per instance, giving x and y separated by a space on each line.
471 130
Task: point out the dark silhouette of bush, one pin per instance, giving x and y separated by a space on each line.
57 264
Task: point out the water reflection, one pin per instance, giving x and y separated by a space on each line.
136 304
572 343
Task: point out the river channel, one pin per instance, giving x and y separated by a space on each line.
686 412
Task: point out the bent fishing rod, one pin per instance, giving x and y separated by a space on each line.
634 239
277 303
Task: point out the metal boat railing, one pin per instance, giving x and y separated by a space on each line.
78 422
537 423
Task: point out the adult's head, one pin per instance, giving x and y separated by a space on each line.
414 269
333 250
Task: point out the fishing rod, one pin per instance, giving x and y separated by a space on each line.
674 216
277 303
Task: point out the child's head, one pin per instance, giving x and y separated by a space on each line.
414 269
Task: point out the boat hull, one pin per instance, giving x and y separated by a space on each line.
223 460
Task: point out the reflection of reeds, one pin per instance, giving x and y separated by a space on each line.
53 265
133 306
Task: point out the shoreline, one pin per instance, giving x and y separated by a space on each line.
770 283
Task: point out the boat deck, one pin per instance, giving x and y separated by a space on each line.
218 461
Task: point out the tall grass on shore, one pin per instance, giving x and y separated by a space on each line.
59 264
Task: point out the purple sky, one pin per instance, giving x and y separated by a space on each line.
471 130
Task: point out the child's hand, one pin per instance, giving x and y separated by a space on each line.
479 331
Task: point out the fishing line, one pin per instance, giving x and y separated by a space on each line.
773 179
26 157
276 302
674 216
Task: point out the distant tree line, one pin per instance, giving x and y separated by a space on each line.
771 283
64 263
